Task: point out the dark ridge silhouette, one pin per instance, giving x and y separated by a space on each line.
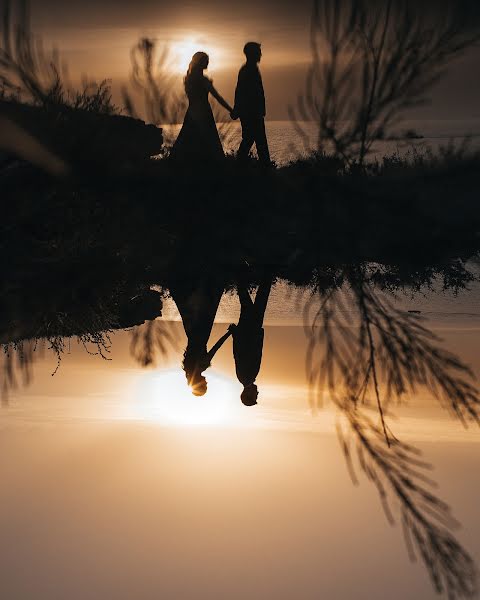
82 128
86 310
112 140
17 142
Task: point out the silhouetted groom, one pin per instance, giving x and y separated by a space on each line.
248 338
250 105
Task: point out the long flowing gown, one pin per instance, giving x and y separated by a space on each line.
198 139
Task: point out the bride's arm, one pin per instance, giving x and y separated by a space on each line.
219 99
219 344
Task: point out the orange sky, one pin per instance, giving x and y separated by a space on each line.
95 38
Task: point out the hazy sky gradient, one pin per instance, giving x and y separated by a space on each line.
95 38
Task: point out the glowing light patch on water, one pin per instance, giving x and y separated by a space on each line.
164 397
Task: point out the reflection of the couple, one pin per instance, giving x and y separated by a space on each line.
198 303
362 349
367 352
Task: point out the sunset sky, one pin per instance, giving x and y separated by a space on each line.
95 39
135 462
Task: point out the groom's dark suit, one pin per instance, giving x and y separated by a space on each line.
250 107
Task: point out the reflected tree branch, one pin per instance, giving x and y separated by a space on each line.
361 344
398 472
151 339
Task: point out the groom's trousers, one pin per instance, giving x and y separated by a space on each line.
253 132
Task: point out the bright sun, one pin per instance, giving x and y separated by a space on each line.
165 397
181 53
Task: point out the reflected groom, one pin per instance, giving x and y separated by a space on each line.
250 105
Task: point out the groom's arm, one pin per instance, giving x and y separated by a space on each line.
239 92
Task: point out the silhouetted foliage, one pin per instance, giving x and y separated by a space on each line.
150 77
81 126
365 338
398 472
161 90
371 61
93 97
150 340
28 73
18 357
25 69
369 354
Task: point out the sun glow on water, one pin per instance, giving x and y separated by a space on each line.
165 397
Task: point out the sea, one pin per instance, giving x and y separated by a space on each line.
289 140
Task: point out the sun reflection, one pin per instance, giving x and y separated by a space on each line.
165 397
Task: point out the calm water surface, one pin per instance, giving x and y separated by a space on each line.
287 143
114 478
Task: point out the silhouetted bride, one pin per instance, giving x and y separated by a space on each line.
198 138
197 301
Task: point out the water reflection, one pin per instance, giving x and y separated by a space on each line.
164 398
364 354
